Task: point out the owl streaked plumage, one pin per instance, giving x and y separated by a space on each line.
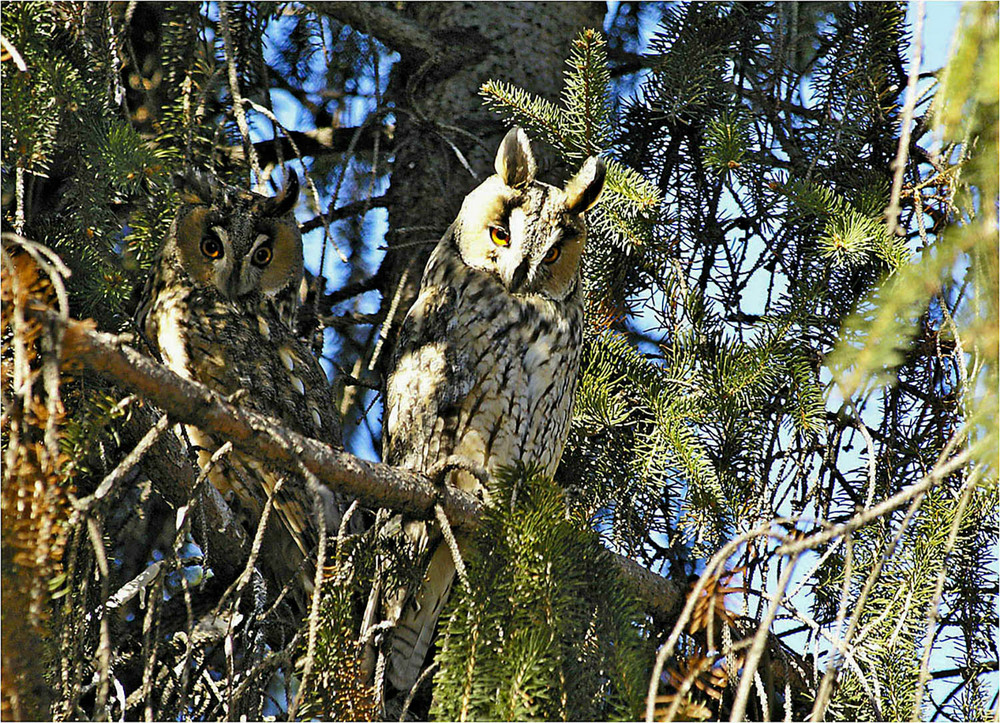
218 308
486 367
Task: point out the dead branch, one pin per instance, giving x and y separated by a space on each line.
318 142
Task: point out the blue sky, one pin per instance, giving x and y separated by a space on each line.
940 20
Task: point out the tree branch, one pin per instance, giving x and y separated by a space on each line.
374 484
346 211
623 62
414 45
412 42
318 142
172 472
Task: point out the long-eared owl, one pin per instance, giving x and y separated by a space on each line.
219 309
486 366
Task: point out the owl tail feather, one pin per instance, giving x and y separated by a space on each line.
414 630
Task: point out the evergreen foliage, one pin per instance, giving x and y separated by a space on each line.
583 126
76 168
706 408
545 629
336 688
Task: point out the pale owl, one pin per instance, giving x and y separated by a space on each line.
486 366
218 309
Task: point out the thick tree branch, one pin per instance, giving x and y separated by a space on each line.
412 42
445 51
374 484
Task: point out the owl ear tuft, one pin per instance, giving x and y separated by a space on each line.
285 201
515 163
196 186
585 187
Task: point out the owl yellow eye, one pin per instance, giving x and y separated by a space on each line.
552 255
500 235
262 256
211 247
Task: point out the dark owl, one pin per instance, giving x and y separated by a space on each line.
218 309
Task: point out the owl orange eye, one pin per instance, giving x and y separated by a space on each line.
552 255
211 247
500 235
262 256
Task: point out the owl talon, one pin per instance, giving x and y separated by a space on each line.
439 472
238 395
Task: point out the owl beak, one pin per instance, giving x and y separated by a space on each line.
515 279
233 287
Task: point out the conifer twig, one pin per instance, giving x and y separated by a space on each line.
234 89
667 649
413 690
902 150
93 524
14 54
127 464
449 537
933 609
760 643
310 658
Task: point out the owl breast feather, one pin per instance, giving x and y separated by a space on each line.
482 376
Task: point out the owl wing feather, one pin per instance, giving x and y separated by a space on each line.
430 380
308 410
